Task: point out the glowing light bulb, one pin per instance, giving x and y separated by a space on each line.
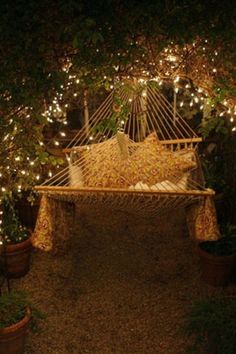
176 79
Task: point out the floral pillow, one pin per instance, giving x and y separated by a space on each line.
152 163
102 165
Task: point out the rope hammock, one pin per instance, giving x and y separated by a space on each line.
137 155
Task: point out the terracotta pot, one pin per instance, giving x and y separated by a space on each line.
18 258
12 338
217 270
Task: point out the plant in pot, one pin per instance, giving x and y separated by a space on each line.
16 241
218 258
211 324
16 315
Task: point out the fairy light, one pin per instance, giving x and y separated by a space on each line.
176 79
176 89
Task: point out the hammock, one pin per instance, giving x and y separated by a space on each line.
135 154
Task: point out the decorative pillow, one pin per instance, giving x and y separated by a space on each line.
152 163
102 163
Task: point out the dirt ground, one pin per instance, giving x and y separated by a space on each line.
119 288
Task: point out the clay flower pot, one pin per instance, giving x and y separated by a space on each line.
12 338
17 258
216 270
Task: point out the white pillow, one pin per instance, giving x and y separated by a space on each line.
76 175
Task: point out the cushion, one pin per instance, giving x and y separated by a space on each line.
76 175
152 163
102 164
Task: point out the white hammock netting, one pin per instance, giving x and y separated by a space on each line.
137 156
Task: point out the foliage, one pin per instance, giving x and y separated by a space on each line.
12 231
212 323
213 124
218 160
13 307
120 112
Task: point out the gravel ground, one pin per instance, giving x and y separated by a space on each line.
118 288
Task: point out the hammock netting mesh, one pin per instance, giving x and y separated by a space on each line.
135 154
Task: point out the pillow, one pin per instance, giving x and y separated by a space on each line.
76 175
152 163
102 163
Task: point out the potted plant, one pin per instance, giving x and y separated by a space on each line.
16 315
218 258
16 241
211 323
